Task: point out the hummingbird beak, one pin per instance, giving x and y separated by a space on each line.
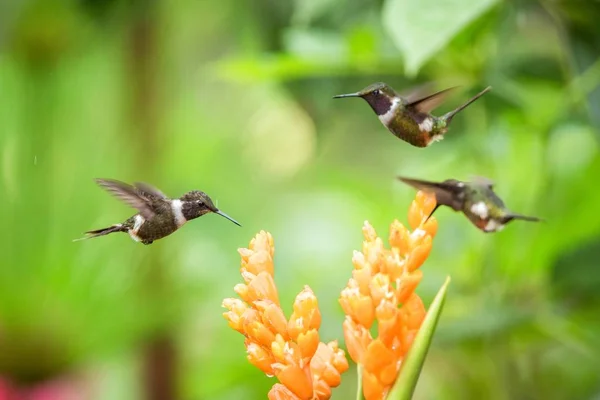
525 217
341 96
431 213
222 214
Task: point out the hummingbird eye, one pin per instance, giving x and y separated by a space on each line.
376 92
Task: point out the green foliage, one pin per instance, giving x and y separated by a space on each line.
421 29
235 99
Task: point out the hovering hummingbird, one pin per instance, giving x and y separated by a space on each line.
409 117
476 200
158 215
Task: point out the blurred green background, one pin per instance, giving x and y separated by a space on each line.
234 98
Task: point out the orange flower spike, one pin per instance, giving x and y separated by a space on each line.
408 339
308 343
419 254
260 287
259 333
328 363
358 306
393 264
285 352
369 232
407 285
338 359
245 256
414 312
381 361
322 389
296 379
236 309
361 275
280 392
372 388
387 316
427 201
258 256
272 316
357 339
261 261
306 313
420 208
399 237
372 247
248 317
264 240
416 216
380 289
260 358
358 259
430 226
277 346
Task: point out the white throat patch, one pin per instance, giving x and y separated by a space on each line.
389 115
176 207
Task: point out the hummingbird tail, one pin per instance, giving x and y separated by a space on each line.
103 231
448 116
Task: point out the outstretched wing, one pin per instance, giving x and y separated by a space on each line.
149 190
129 195
428 103
483 181
445 193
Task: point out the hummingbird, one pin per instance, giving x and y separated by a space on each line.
408 117
158 215
476 200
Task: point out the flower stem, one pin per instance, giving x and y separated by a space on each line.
411 366
359 386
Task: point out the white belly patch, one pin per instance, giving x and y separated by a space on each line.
426 125
480 209
139 221
493 226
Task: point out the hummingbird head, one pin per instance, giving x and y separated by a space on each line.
379 95
195 204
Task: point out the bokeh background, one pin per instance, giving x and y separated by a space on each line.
234 98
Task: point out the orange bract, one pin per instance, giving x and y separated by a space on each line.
382 290
288 349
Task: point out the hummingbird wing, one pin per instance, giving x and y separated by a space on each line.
483 181
428 103
149 190
129 195
417 92
445 194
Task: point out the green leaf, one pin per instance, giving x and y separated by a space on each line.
411 367
420 28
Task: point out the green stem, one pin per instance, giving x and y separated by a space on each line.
359 387
413 362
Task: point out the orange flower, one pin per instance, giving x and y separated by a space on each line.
382 289
288 349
